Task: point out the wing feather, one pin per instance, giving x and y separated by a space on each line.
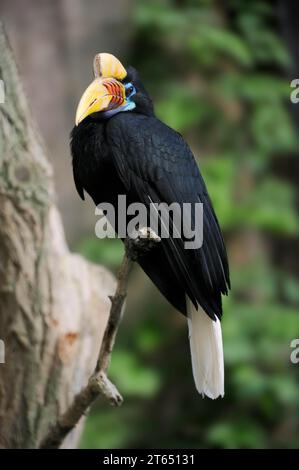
155 164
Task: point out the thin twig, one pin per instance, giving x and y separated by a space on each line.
99 384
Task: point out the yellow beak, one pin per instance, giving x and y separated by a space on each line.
107 65
102 94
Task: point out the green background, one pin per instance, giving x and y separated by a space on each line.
220 76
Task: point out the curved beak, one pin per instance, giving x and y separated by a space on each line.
102 94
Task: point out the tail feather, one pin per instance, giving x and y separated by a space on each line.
206 352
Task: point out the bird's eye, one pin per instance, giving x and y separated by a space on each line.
130 90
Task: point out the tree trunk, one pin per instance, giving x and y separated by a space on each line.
54 43
53 304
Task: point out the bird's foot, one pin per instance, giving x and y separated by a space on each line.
143 241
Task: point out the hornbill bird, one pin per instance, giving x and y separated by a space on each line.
119 147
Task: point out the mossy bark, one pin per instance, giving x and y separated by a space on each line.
53 304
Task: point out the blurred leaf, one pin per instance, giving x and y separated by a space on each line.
241 434
180 108
132 376
216 42
107 251
271 127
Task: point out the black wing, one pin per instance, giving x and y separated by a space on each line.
155 164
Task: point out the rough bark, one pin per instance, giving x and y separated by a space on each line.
99 383
53 304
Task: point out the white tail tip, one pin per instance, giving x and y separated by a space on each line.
206 352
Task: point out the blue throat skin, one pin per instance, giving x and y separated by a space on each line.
127 107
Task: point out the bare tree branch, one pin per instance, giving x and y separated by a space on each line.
99 384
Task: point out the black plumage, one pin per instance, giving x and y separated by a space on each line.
134 153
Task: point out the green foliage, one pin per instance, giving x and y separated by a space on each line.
217 75
108 251
246 433
135 378
179 107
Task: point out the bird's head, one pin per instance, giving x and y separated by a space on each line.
113 90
